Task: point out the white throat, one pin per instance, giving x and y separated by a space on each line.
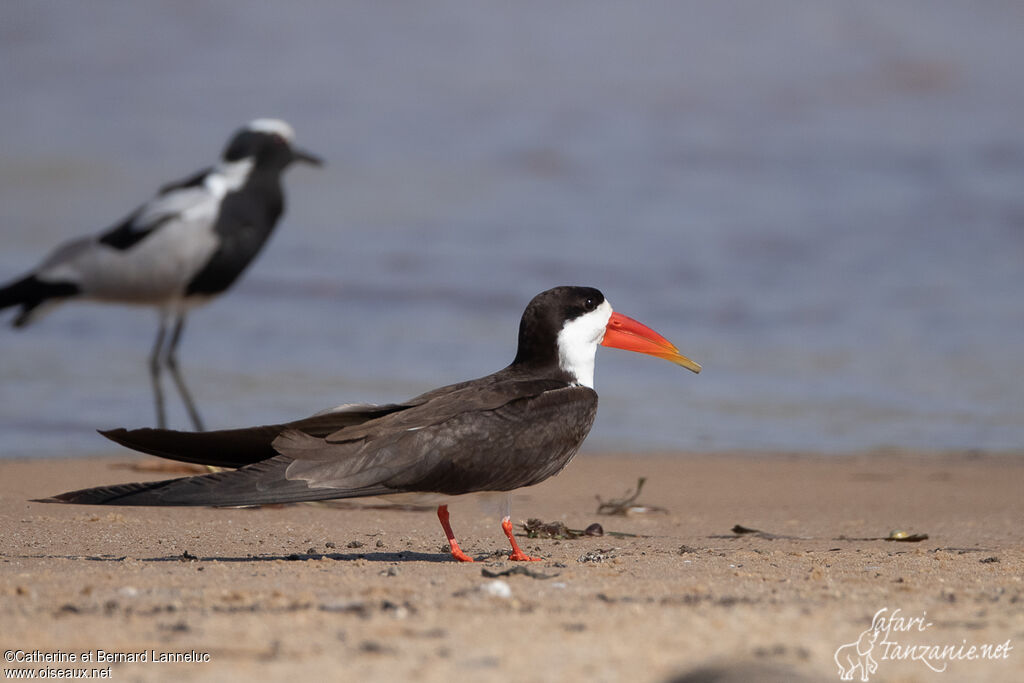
577 343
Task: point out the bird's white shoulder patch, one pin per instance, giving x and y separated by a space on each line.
577 343
228 177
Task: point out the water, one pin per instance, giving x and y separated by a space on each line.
823 203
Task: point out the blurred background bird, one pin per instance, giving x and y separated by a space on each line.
186 245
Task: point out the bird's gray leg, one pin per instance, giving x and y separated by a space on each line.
172 365
154 374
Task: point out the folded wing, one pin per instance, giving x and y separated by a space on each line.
492 437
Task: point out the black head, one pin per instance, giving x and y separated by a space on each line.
546 317
269 143
562 328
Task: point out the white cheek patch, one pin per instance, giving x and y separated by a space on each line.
577 343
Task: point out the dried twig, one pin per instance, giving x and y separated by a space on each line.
627 504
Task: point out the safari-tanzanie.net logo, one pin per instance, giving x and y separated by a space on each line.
894 637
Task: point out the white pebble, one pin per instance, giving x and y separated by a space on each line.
497 588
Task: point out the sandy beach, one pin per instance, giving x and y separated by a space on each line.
359 591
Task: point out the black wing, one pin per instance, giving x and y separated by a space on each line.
511 440
239 447
495 436
257 484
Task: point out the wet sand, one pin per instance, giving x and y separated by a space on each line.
363 592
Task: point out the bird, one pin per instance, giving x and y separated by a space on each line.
491 435
180 249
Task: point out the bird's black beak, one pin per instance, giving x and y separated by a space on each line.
306 157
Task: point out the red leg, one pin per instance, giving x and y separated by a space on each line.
442 514
517 554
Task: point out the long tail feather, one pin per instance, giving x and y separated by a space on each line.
262 483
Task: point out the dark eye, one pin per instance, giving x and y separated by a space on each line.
588 304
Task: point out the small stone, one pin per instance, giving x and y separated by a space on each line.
497 589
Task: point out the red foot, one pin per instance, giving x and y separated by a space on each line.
442 515
517 554
459 555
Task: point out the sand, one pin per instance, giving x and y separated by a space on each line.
364 592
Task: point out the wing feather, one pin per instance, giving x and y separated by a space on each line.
491 435
502 447
262 483
171 203
239 447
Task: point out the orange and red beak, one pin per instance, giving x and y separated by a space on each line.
625 333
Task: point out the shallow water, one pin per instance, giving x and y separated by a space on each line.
824 205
